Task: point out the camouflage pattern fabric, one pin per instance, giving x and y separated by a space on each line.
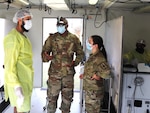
55 84
94 89
63 50
61 72
93 101
62 20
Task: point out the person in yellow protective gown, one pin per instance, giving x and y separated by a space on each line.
18 79
138 55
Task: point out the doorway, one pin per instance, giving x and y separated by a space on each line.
75 26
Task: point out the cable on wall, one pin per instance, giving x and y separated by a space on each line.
138 81
96 17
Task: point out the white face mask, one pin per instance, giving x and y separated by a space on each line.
27 24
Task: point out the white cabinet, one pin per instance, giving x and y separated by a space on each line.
136 93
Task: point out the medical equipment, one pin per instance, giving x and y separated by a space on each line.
135 96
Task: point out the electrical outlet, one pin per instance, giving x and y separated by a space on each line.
129 102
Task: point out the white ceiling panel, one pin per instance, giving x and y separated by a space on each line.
125 4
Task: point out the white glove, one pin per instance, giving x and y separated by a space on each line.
20 97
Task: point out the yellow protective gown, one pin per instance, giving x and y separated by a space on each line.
18 68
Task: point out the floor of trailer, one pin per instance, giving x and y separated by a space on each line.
38 103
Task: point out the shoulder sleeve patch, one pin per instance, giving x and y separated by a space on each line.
104 66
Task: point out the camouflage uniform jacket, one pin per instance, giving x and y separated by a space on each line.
96 64
63 50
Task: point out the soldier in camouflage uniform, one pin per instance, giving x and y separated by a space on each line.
96 69
62 45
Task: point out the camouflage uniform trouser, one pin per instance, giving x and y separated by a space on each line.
93 101
57 84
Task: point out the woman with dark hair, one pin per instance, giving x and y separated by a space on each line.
96 69
98 40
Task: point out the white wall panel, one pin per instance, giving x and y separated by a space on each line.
113 44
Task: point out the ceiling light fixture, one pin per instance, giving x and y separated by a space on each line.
24 1
93 2
56 4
